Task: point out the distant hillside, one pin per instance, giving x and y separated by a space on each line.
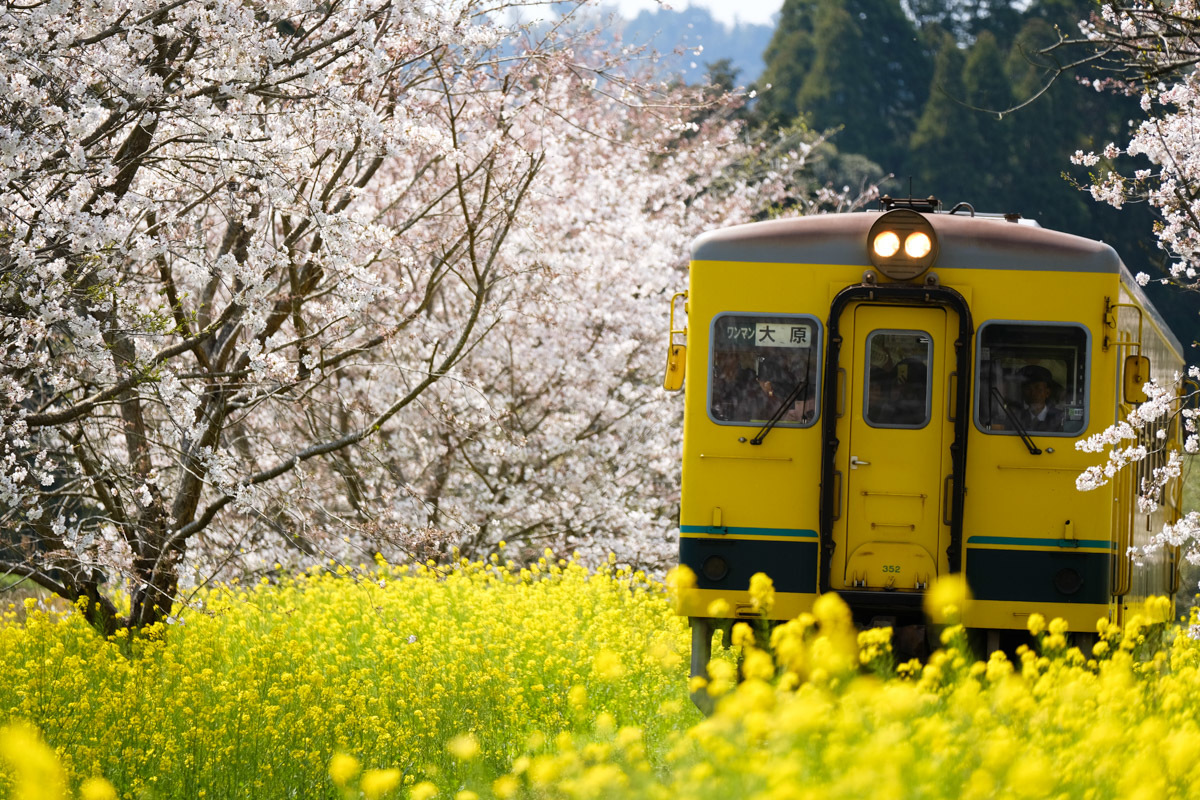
691 27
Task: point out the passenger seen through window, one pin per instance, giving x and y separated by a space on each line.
758 362
1039 371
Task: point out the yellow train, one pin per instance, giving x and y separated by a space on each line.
876 399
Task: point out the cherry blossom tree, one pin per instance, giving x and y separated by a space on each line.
555 432
217 218
1151 50
574 445
297 281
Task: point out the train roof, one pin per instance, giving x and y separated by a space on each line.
965 242
983 241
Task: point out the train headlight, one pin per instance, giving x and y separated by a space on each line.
917 245
886 244
902 244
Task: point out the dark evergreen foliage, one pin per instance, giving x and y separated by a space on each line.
858 65
952 95
788 57
947 133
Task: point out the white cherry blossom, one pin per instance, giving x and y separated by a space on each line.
298 282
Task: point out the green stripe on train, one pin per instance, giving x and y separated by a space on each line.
801 533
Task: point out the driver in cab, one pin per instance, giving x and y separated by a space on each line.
1039 409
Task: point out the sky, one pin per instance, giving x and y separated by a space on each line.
757 12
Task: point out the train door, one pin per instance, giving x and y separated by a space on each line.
897 446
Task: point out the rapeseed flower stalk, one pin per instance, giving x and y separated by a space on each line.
379 680
476 680
343 768
377 783
1054 723
946 598
875 650
97 789
762 593
463 747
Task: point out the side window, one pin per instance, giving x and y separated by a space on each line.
760 364
1034 376
897 379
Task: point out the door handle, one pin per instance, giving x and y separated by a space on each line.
856 462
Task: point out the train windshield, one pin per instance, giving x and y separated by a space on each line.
1040 370
757 362
898 377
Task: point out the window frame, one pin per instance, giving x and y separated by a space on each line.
976 406
815 389
866 385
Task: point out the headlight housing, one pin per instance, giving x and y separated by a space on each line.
902 244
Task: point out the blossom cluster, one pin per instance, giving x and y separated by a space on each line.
1154 45
1143 437
283 283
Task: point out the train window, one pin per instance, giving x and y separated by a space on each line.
897 380
759 363
1032 375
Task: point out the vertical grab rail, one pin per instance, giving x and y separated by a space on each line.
1126 484
1109 309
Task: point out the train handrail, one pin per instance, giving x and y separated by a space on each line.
1109 308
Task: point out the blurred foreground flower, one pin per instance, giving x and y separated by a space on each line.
946 598
762 592
343 768
34 768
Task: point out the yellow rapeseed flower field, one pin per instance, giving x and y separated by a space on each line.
388 677
489 680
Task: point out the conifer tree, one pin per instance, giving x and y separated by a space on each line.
1043 132
988 95
858 65
942 147
965 19
788 58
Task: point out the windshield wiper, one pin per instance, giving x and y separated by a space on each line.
779 412
1033 448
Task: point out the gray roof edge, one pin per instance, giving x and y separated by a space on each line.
965 243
